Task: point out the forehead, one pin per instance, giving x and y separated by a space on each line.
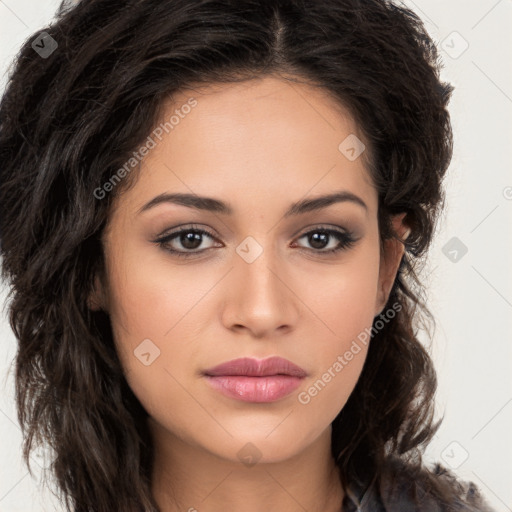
259 140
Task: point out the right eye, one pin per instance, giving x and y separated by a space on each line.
190 239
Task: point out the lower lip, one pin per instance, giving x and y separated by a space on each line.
255 389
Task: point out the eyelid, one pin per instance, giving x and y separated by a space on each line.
172 233
320 227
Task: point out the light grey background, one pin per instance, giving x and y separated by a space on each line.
470 295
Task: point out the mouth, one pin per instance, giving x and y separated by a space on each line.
251 380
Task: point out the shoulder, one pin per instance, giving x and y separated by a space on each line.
406 486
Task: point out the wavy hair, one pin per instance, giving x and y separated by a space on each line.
70 120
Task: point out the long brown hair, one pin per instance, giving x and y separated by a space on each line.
71 119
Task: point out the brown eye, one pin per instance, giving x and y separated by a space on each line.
185 241
323 240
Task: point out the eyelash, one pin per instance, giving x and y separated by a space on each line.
346 240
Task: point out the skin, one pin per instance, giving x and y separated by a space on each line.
259 145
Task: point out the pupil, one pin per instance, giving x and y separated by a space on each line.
318 240
191 240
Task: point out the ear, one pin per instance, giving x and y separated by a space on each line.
391 257
96 300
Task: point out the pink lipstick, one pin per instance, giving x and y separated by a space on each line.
253 380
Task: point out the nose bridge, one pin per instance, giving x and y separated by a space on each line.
258 267
261 300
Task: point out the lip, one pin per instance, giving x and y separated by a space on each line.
250 367
253 380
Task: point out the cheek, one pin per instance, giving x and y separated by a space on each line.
154 313
343 302
150 299
153 326
343 297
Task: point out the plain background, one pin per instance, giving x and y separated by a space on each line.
469 293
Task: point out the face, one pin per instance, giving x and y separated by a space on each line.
253 277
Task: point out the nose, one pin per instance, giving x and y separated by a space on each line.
260 299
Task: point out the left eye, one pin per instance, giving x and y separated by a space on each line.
322 240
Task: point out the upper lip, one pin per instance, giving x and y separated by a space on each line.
249 367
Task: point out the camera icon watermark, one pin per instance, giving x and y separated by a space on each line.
351 147
249 250
454 455
454 45
146 352
44 45
454 249
249 455
42 457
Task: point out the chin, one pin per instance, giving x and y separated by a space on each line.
250 449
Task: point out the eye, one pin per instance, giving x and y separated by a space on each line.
185 241
328 241
188 241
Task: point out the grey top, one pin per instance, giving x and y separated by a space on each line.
410 492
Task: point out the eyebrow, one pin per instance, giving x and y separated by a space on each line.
217 206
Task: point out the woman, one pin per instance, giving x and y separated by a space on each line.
211 216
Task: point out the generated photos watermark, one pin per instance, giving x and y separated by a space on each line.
149 144
305 397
